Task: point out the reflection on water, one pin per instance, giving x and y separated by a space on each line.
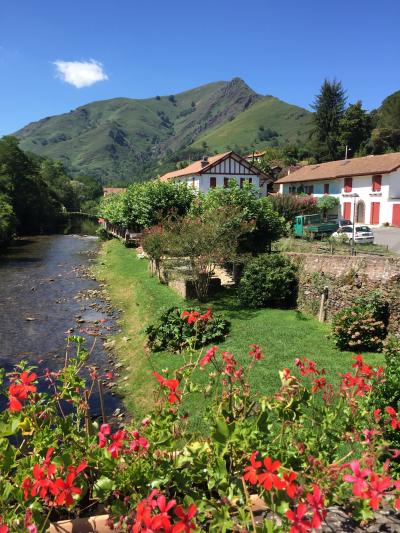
39 280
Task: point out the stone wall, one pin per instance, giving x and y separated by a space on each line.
347 278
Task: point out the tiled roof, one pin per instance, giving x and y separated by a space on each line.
194 168
359 166
113 190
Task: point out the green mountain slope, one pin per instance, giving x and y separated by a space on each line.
124 139
268 121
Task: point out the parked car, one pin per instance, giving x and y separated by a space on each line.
362 234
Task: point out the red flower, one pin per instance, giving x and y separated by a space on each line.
376 489
268 478
394 421
316 501
251 471
299 523
358 478
185 523
318 384
210 354
117 442
255 352
174 395
207 315
19 391
64 490
192 316
3 527
138 442
290 487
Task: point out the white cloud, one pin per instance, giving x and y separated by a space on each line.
80 73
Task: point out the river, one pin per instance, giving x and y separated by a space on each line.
45 295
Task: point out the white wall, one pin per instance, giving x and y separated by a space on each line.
362 185
202 183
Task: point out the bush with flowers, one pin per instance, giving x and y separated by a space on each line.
363 326
177 329
308 446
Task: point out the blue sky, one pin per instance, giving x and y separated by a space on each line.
144 48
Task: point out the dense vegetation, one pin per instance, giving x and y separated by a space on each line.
35 191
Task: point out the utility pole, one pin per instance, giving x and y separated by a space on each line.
346 152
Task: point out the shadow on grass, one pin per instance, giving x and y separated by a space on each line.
225 301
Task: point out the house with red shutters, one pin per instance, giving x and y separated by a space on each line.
218 171
368 187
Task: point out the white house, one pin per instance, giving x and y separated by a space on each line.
368 187
218 171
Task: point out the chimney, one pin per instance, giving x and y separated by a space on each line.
204 161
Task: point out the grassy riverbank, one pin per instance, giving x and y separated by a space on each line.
283 335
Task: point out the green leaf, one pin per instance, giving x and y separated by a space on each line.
6 430
103 487
221 433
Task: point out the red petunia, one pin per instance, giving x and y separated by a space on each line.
299 523
209 356
192 316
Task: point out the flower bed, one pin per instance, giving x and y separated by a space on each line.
309 446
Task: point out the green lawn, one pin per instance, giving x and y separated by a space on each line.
282 334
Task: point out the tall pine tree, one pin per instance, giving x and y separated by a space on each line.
329 106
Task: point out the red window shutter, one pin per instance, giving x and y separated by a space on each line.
347 210
213 183
348 184
396 215
326 188
375 209
376 183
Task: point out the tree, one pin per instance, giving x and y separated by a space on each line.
355 128
389 113
205 241
326 203
329 106
290 205
250 207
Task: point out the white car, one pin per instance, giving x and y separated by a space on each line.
362 234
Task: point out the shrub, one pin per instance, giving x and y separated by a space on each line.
176 329
362 326
269 281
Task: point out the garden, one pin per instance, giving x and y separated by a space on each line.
245 414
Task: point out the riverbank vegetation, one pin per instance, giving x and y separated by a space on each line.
282 334
35 191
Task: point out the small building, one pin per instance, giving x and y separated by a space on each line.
255 156
107 191
367 187
218 171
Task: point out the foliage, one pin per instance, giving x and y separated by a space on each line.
303 448
205 241
148 203
7 219
153 243
290 205
266 225
177 329
326 203
355 129
329 107
362 326
270 280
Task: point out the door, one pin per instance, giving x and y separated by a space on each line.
396 215
375 208
347 210
360 218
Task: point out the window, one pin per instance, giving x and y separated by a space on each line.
250 180
241 182
226 182
292 189
326 188
213 183
308 189
376 183
348 184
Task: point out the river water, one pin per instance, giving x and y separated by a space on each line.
45 295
